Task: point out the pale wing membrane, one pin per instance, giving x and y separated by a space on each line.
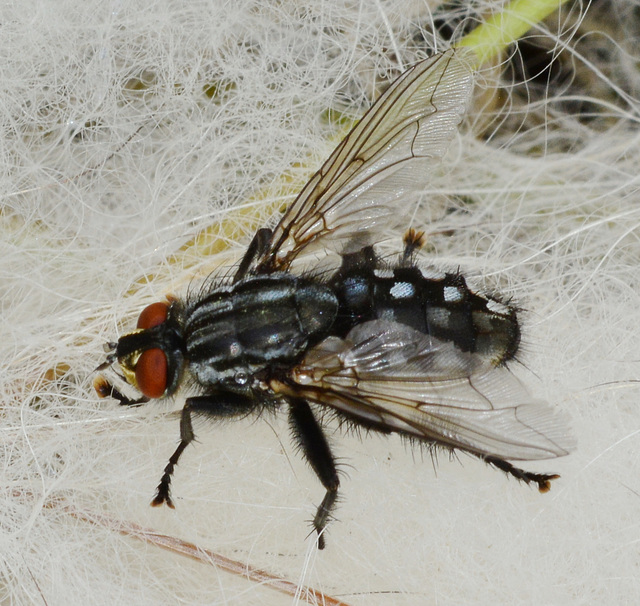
393 377
386 156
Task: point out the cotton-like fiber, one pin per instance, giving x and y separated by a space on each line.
141 146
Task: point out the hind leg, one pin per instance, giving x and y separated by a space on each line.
315 448
541 479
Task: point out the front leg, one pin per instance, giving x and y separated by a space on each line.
219 405
315 448
105 389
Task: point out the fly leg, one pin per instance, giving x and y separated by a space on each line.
257 248
163 492
541 479
218 405
315 448
413 240
107 390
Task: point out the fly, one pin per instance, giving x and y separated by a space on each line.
379 344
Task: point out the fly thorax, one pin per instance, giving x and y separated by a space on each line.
258 322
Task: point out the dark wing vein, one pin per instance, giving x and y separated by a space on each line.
392 377
386 156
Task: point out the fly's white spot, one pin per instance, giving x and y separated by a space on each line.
383 273
498 308
402 290
234 349
452 294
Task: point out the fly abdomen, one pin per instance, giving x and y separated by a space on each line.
442 307
258 321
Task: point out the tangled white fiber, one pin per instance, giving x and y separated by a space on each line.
128 128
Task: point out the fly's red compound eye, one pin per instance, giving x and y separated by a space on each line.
152 365
151 371
153 315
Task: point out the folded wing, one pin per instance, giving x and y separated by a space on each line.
391 377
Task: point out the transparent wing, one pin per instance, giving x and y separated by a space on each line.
392 377
388 155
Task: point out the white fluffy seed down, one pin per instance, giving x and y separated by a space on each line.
127 129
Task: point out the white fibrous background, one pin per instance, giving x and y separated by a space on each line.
128 128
